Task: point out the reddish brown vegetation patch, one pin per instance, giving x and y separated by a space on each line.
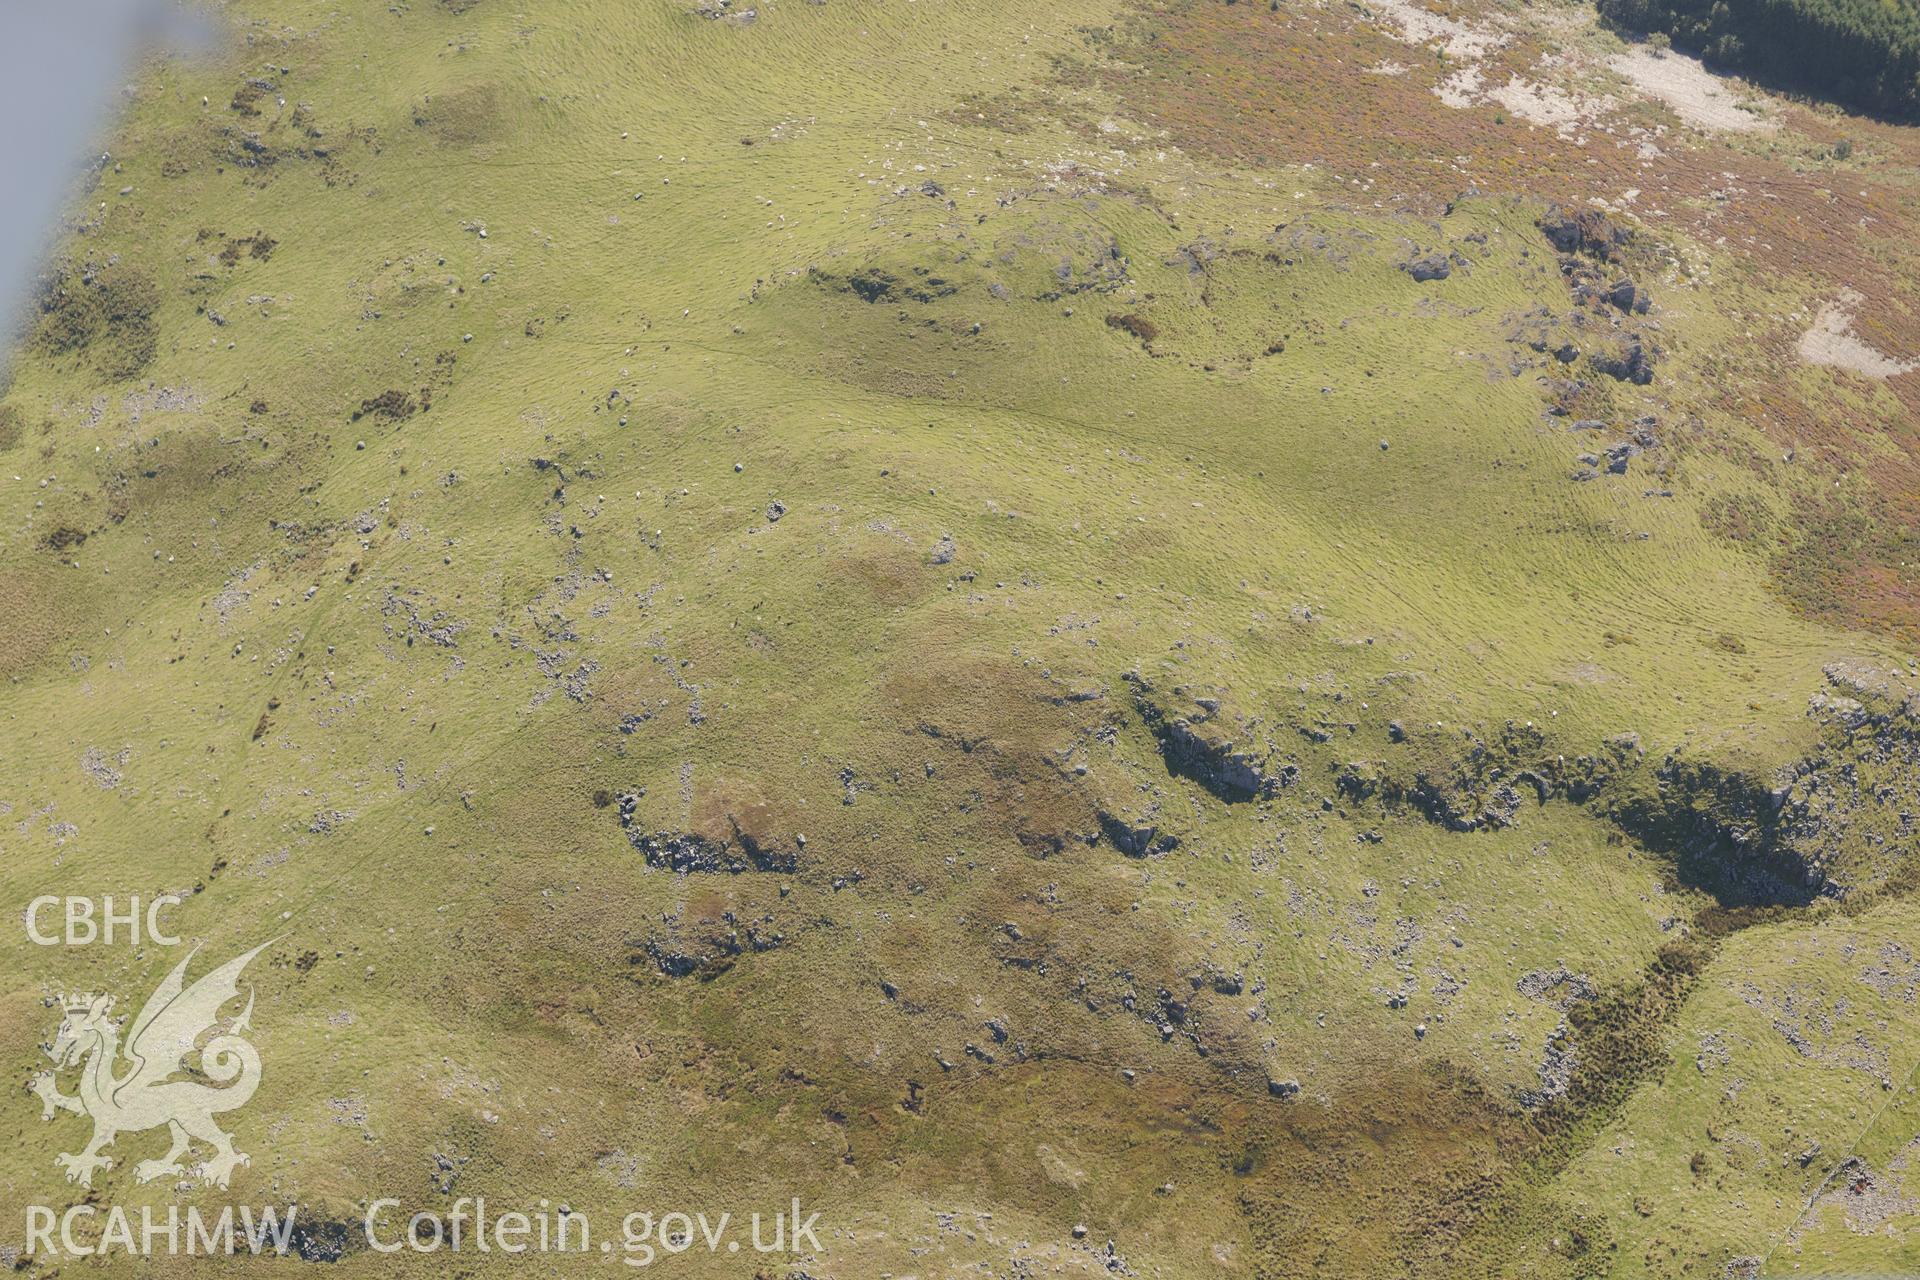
395 406
259 246
1137 325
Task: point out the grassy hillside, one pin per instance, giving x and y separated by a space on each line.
905 605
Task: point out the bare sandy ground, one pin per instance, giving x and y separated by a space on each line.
1419 26
1547 104
1695 94
1831 341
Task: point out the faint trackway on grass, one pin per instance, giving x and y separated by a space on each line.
1813 1197
1218 455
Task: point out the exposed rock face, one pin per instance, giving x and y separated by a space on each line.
1136 840
1482 790
1628 360
1435 266
1842 817
682 851
1586 239
675 961
1200 748
1851 809
1194 257
318 1238
1583 231
1629 297
704 949
733 848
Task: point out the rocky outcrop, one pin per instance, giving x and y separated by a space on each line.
1851 808
1844 816
874 284
1583 231
319 1236
1627 360
1232 767
1480 788
705 950
1629 297
1135 839
731 849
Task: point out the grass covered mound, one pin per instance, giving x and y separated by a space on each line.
1863 53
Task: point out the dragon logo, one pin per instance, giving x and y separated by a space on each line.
163 1042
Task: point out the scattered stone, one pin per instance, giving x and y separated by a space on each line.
105 771
1556 986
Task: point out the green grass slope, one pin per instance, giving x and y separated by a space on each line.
747 629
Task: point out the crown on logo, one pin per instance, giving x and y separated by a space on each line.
79 1002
